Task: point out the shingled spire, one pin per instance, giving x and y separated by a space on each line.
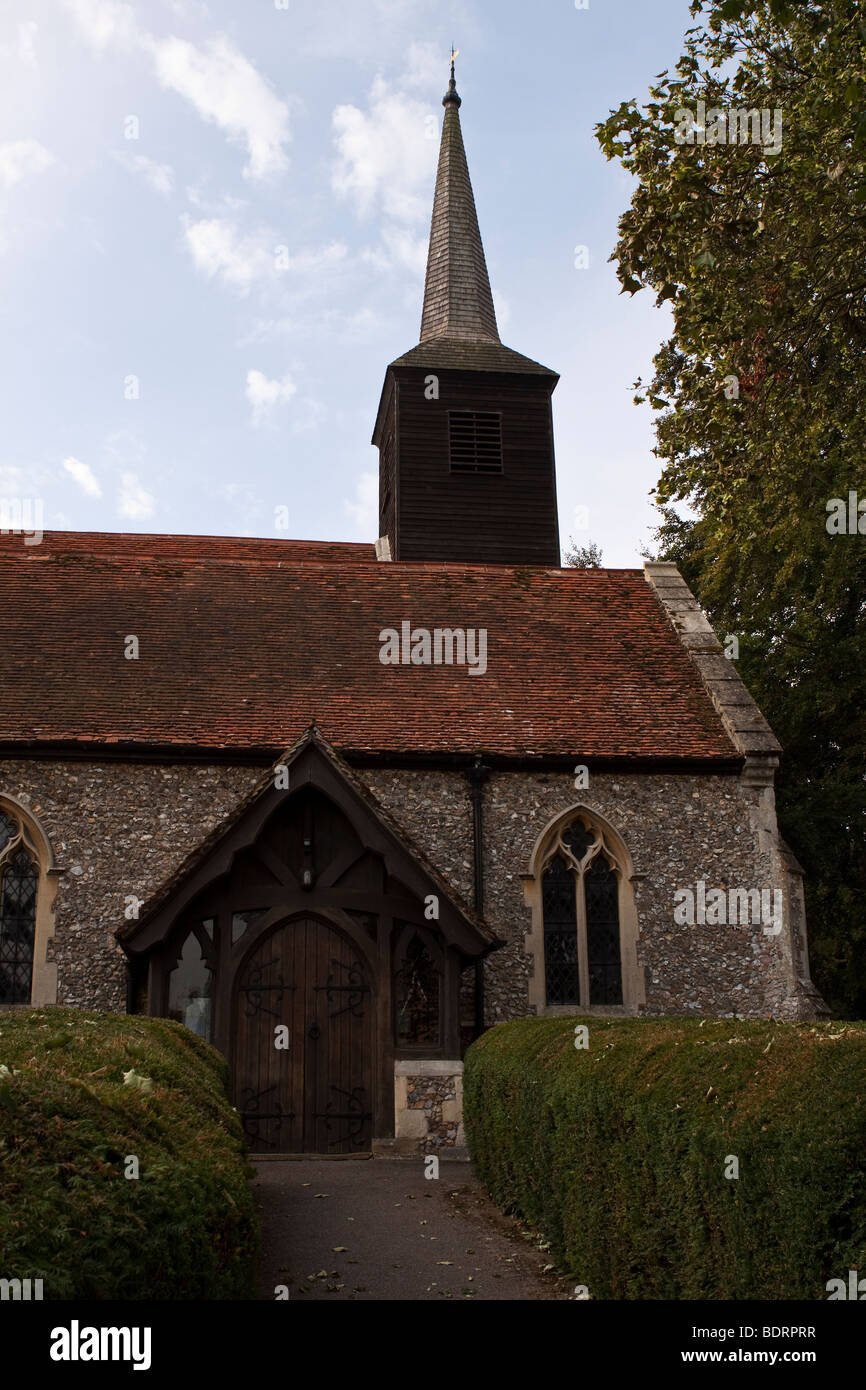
457 299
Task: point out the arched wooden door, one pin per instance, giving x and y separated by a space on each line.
315 1096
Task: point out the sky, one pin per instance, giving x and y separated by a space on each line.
213 232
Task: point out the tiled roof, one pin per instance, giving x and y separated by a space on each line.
462 355
243 644
226 548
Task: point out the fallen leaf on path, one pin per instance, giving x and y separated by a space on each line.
339 1249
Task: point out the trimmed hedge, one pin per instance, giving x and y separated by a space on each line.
617 1153
186 1227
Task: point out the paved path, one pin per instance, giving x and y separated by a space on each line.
378 1229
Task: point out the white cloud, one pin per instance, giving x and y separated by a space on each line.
23 48
364 511
103 22
214 205
401 247
424 67
21 157
222 85
188 9
219 250
319 258
265 395
159 176
387 154
225 88
22 482
83 475
132 499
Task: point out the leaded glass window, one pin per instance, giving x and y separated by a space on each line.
417 991
601 890
578 840
19 882
190 987
241 920
560 933
580 900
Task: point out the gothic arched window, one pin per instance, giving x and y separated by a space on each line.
580 900
417 990
190 983
19 881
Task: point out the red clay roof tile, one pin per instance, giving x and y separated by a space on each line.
244 643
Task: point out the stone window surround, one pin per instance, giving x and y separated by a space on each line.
43 987
633 980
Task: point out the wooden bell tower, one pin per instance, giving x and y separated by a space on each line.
464 429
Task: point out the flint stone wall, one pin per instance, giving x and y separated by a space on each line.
678 829
119 830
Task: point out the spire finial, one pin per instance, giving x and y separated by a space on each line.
451 94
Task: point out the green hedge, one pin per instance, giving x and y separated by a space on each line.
617 1153
186 1227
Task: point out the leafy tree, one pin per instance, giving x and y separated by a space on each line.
583 557
759 248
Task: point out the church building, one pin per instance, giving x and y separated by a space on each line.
338 808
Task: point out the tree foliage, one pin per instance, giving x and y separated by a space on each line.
761 256
582 557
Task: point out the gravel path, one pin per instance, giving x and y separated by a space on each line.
378 1229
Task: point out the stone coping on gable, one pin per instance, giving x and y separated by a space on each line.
745 724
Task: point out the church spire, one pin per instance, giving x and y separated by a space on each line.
457 298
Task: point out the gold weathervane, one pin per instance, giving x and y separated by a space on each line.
455 53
